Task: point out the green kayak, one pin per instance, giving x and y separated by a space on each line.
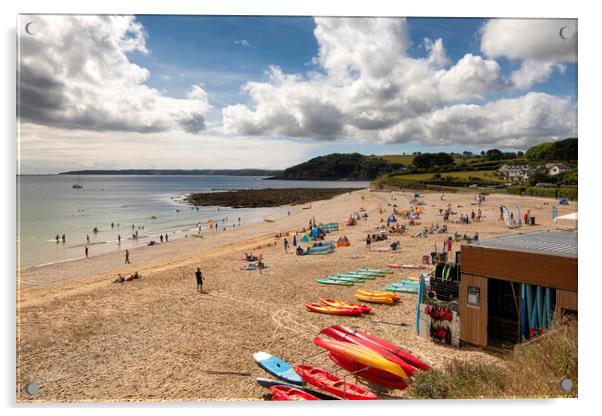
385 271
346 279
333 282
402 289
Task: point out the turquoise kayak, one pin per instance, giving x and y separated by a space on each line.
333 282
357 276
385 271
345 279
402 289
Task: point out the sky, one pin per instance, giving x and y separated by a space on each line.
195 92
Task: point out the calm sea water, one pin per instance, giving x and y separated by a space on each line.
151 205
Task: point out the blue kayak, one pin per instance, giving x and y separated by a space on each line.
278 368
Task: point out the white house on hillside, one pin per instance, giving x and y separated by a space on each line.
515 173
556 168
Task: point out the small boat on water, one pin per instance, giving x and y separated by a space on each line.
78 185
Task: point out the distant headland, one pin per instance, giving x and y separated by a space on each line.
158 172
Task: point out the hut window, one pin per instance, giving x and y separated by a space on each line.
474 296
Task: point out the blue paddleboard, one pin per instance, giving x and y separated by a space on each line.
278 368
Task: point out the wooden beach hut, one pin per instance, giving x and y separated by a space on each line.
514 287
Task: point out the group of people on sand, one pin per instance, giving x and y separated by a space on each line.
120 278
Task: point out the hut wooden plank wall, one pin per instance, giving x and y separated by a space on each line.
542 258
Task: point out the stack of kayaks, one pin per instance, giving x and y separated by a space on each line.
349 278
405 286
333 384
374 296
373 359
333 310
338 307
358 276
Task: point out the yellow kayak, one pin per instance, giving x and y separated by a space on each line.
361 355
374 293
374 299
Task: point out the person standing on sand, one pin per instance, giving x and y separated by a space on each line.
166 238
57 238
63 238
199 280
127 256
88 238
161 237
118 238
86 251
285 245
368 242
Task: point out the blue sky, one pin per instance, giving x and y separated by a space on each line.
165 85
204 49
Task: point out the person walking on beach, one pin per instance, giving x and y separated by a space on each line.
199 280
57 238
368 242
161 237
118 238
88 238
63 238
285 245
127 256
166 238
86 251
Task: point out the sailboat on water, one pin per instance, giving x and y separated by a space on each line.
78 185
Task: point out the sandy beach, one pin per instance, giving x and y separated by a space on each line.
83 338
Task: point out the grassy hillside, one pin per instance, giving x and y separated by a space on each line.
483 175
340 166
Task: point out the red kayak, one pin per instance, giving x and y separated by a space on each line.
333 384
283 393
342 336
333 310
341 304
373 375
400 352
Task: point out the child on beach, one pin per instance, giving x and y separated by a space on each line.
199 280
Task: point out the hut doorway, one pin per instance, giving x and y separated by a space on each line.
503 300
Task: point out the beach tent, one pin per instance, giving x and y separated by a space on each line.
343 241
305 239
564 201
317 232
326 248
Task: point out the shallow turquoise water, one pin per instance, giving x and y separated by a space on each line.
48 205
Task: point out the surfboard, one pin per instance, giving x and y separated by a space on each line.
278 368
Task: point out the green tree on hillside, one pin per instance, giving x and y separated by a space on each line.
494 154
563 150
429 160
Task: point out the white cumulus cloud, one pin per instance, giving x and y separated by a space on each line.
369 88
75 73
537 43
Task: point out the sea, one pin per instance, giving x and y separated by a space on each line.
48 205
